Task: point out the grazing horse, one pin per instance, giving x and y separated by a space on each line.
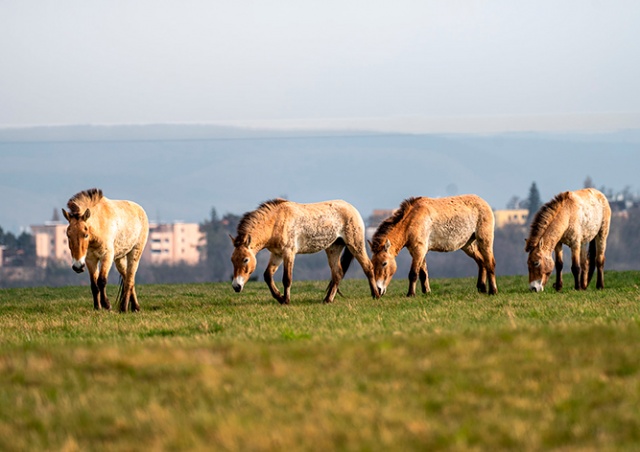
575 219
443 224
287 228
100 232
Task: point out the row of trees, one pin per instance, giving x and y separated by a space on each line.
18 250
215 264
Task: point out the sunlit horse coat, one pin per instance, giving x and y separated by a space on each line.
102 231
287 228
575 219
424 224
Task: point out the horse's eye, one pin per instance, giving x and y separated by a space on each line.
86 236
245 260
384 264
536 264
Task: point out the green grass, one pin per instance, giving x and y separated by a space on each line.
204 368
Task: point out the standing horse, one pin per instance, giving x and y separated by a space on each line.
574 219
100 232
444 224
287 228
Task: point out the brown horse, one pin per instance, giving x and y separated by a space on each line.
100 232
574 219
287 228
443 224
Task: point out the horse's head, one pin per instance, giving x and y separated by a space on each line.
540 266
384 266
79 235
244 262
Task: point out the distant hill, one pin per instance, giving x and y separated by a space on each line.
154 132
181 172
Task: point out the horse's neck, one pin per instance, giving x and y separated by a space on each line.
398 238
554 231
260 237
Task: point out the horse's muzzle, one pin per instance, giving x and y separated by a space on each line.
78 268
536 286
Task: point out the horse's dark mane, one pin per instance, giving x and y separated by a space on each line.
250 219
83 200
543 218
380 236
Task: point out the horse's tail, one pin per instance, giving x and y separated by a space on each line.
591 256
345 260
119 299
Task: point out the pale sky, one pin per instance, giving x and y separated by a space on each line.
416 64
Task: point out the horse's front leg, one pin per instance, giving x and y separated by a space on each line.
103 274
424 277
92 268
360 253
559 266
419 255
272 267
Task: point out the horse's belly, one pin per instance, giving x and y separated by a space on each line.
309 245
449 237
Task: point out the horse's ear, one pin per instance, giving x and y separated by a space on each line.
370 244
66 215
540 243
233 240
86 215
387 245
247 242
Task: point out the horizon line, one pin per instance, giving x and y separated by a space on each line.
487 124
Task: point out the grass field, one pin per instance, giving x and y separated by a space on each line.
204 368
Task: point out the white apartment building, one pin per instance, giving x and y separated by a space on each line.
174 243
171 243
51 242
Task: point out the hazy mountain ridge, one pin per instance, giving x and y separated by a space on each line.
181 172
155 132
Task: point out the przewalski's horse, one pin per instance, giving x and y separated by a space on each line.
575 219
100 232
287 228
435 224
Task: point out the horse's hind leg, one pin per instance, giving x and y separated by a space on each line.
488 271
584 266
337 273
601 246
471 250
287 276
133 261
124 295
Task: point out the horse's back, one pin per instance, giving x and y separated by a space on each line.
470 208
593 210
336 210
130 223
450 222
315 226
